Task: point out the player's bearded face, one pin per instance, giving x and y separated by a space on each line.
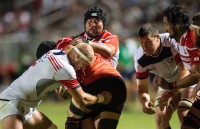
94 27
169 27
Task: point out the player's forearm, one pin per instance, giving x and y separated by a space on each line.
88 99
105 50
143 97
189 80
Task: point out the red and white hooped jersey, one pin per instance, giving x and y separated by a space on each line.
106 37
187 49
163 65
46 74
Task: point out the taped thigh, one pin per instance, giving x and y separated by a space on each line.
172 106
192 118
75 111
185 103
109 115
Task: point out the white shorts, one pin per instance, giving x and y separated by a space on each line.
13 107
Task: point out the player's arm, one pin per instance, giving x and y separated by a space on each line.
185 80
143 90
84 99
104 49
191 79
143 95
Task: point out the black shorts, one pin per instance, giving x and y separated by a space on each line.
113 84
192 118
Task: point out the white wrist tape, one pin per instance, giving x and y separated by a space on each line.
100 98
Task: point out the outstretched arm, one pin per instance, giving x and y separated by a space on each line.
84 99
143 95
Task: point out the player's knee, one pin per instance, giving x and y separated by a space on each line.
73 123
190 123
172 106
52 126
185 103
108 123
156 103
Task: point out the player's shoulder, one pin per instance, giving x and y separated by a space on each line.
164 36
65 39
106 34
67 69
138 54
189 39
62 42
166 40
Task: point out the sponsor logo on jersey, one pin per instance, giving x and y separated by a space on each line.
196 58
94 14
185 59
170 60
171 75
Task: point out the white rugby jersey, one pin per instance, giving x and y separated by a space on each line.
163 65
45 75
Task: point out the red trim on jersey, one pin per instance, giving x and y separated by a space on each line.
142 75
189 43
62 43
56 64
52 63
177 58
70 84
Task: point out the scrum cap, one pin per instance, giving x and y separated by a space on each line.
95 12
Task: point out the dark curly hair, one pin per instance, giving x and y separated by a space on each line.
44 47
196 19
176 14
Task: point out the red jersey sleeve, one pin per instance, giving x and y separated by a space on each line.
195 56
143 75
109 38
62 43
177 58
70 84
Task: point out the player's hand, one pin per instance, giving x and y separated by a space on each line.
165 99
160 82
148 108
195 90
107 97
78 39
63 92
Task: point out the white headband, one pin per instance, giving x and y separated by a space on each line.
82 55
195 26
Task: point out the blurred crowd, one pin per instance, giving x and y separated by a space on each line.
25 23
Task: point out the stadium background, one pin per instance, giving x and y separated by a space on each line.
25 23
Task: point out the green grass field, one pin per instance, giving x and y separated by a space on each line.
131 118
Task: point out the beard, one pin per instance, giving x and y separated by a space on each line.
93 36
